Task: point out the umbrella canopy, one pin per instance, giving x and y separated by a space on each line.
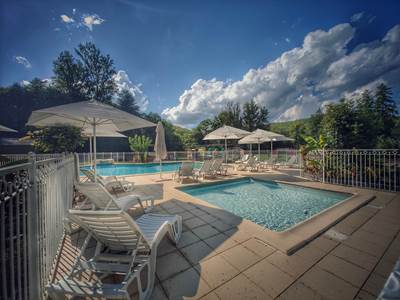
90 114
160 148
260 136
226 133
6 129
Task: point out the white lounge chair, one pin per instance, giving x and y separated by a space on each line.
111 183
102 199
204 170
290 163
250 165
117 231
243 159
218 167
185 170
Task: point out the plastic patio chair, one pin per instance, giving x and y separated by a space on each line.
185 170
111 183
204 170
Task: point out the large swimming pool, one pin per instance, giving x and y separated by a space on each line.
132 169
273 205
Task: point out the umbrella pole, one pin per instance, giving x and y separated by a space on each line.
90 152
160 168
271 148
251 149
259 154
94 149
226 151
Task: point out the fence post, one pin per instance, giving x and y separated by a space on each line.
323 165
33 241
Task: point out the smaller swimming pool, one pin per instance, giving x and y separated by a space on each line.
273 205
132 169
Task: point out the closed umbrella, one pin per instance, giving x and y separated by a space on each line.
160 148
226 133
92 114
6 129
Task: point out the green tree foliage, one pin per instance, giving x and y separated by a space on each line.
254 116
314 123
141 144
89 75
386 111
56 139
230 116
204 128
127 102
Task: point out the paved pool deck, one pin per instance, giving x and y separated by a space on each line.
222 256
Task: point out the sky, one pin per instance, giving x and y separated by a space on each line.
186 59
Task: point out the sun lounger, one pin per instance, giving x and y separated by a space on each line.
250 165
218 167
184 171
117 231
290 163
102 199
111 183
243 159
205 170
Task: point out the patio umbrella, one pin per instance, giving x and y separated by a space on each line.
105 131
226 133
90 114
260 136
160 148
6 129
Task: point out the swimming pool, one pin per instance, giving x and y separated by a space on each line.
131 169
273 205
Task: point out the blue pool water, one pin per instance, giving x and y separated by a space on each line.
274 205
129 169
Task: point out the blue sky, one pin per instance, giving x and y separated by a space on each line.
186 59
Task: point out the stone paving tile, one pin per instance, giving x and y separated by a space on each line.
292 265
158 293
363 295
175 210
384 268
325 244
258 247
241 288
328 285
165 247
198 212
210 296
368 242
216 270
187 238
374 284
205 231
240 257
197 252
171 264
220 242
362 259
347 271
310 253
299 291
221 226
208 218
194 222
269 278
238 235
186 285
186 215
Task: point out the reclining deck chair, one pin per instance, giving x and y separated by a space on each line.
117 231
185 170
111 183
204 170
102 199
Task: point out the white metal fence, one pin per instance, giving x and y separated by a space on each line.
281 155
366 168
9 159
34 198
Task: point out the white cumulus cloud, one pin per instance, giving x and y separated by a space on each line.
124 83
294 85
90 20
23 61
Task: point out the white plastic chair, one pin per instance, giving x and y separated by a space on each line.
111 183
185 170
204 170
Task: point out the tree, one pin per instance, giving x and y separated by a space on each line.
365 129
204 127
56 139
254 116
230 116
127 102
385 109
98 73
314 123
141 144
69 76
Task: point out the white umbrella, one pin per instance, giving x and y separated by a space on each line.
6 129
91 114
160 148
103 131
226 133
260 136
